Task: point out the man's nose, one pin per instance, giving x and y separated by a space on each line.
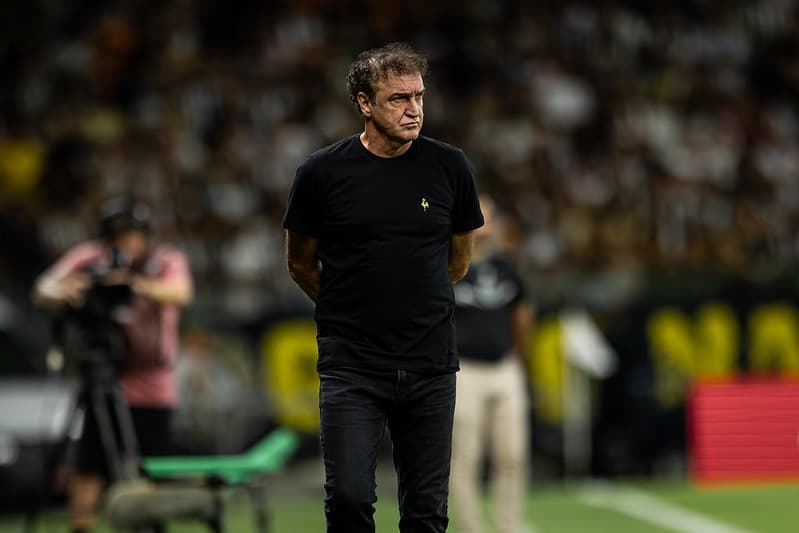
414 108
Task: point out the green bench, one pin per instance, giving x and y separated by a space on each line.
218 471
267 456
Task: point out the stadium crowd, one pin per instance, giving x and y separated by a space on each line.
623 136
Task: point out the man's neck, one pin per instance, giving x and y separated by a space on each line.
380 146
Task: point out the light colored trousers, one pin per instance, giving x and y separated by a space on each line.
490 407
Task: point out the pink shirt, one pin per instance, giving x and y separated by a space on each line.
152 328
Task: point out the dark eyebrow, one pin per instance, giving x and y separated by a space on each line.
406 95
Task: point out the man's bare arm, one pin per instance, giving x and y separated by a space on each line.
303 265
523 318
460 254
53 290
178 292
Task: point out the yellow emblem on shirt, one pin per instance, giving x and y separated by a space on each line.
425 205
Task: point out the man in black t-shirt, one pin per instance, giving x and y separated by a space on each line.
493 320
378 227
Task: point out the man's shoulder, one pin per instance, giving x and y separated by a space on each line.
88 247
79 256
331 151
449 154
499 257
429 143
168 251
85 251
501 261
166 257
506 268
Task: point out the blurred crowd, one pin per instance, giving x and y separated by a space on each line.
621 136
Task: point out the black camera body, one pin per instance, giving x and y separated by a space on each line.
91 334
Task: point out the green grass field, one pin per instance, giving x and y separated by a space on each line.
642 507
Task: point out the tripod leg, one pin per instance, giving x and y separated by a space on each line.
216 521
30 521
215 524
257 492
108 439
130 447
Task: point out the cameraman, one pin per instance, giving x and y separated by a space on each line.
160 285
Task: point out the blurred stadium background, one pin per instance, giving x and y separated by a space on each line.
646 152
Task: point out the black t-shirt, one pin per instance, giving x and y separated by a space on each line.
485 299
384 227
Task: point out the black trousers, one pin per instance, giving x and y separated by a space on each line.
355 407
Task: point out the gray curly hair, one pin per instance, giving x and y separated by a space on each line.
375 64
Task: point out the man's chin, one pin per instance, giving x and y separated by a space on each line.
410 134
403 136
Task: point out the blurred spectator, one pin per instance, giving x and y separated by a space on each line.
626 137
493 320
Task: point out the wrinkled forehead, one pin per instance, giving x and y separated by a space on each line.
401 83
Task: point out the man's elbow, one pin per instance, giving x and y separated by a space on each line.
456 272
294 269
185 296
298 270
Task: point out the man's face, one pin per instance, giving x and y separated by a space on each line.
132 243
397 111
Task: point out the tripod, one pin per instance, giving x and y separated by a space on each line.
103 399
98 348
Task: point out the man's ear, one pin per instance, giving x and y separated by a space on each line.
365 104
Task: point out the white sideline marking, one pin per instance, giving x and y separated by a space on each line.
648 508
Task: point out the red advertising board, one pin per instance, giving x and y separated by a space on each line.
744 431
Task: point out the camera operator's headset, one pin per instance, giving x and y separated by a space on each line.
119 215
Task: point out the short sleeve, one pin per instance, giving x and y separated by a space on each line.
466 214
78 257
304 209
176 266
